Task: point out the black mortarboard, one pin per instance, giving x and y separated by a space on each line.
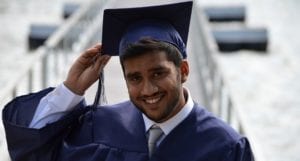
168 23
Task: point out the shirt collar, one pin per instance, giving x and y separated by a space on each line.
170 124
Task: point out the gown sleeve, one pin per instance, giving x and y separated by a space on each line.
28 144
240 151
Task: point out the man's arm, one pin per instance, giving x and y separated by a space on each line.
240 151
86 70
83 73
54 105
29 144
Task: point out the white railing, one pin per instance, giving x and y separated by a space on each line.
216 94
79 31
48 64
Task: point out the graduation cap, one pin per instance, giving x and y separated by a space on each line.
168 23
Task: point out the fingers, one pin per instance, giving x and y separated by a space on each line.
91 52
98 46
90 56
85 71
101 62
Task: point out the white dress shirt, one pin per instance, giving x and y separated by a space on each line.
54 105
170 124
61 100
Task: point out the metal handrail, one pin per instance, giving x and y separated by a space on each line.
216 91
76 33
59 41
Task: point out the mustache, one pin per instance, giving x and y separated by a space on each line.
158 93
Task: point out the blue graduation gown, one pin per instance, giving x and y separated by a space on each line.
116 133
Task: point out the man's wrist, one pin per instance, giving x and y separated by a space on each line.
73 89
70 98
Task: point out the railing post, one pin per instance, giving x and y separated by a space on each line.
30 80
14 92
45 71
229 111
55 62
222 99
240 129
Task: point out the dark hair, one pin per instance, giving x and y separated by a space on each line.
148 45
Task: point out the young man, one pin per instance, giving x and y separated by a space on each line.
160 122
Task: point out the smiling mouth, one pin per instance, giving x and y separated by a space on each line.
153 100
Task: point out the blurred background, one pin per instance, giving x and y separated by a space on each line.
244 58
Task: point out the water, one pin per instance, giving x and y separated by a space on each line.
268 90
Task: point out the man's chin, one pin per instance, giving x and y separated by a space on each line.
150 114
157 119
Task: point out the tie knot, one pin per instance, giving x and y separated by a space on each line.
155 133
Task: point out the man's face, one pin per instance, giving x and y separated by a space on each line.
155 85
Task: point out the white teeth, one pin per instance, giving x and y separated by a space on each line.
151 101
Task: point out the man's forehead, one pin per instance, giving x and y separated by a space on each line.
147 66
149 58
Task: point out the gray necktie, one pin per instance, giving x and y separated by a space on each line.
154 134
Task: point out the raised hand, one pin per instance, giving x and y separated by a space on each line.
86 69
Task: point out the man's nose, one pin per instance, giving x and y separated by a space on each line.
149 88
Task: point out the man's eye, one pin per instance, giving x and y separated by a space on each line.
134 79
158 74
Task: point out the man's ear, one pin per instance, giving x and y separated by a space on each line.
184 68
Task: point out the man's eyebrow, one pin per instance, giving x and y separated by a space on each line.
132 74
159 68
